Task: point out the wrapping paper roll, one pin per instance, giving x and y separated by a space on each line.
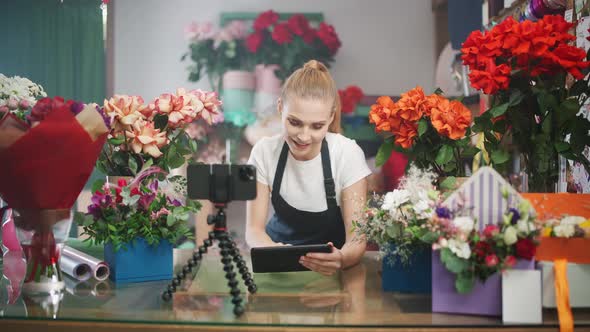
75 269
98 269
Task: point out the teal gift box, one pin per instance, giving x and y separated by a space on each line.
139 261
414 277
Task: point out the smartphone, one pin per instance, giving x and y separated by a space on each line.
221 183
283 258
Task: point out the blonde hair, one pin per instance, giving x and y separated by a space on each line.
314 81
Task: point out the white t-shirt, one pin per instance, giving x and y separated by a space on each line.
303 186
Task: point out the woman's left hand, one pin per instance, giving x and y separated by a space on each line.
324 263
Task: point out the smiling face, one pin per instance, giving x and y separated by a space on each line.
305 124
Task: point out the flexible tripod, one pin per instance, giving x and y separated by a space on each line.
230 255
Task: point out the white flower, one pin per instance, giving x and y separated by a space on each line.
464 224
564 230
510 235
459 248
423 209
572 220
394 199
525 227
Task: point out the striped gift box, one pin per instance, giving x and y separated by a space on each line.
482 194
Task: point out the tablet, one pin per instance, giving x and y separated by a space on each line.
283 258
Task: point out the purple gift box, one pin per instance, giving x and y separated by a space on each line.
485 298
482 194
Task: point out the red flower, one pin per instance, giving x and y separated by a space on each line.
490 231
354 92
253 41
491 80
328 36
281 34
309 36
349 98
298 24
570 58
265 20
525 248
510 261
492 260
122 182
482 249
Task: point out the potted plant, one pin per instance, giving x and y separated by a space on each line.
138 222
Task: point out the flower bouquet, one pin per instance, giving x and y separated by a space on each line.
534 110
44 163
153 134
432 130
136 218
397 222
473 254
349 98
18 95
291 43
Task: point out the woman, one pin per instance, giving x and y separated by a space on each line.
314 177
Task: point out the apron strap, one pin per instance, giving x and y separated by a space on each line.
329 185
276 184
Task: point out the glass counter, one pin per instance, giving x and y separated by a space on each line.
306 301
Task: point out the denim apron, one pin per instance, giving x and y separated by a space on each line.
297 227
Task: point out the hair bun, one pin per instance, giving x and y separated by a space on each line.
314 64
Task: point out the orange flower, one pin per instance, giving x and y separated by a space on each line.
404 137
432 101
452 120
410 104
384 115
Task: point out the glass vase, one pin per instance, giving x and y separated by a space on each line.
42 234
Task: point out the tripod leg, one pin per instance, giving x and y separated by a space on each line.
242 266
188 267
230 275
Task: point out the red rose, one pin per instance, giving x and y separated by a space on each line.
265 20
490 231
281 34
510 261
298 24
482 249
525 248
328 36
253 41
354 92
309 36
491 260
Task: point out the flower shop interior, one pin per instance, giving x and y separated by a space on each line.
452 136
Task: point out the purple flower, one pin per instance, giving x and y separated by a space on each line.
95 211
101 199
105 118
174 202
515 215
443 212
76 107
145 201
153 186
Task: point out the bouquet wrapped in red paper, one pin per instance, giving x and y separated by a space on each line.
45 162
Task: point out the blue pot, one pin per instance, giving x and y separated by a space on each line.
140 262
416 277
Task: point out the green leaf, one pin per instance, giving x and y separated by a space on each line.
133 165
469 151
499 157
112 227
88 220
515 98
450 183
452 262
193 145
176 160
438 91
464 284
561 146
116 140
499 110
444 155
384 152
160 121
147 164
422 127
170 220
394 231
97 185
429 237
